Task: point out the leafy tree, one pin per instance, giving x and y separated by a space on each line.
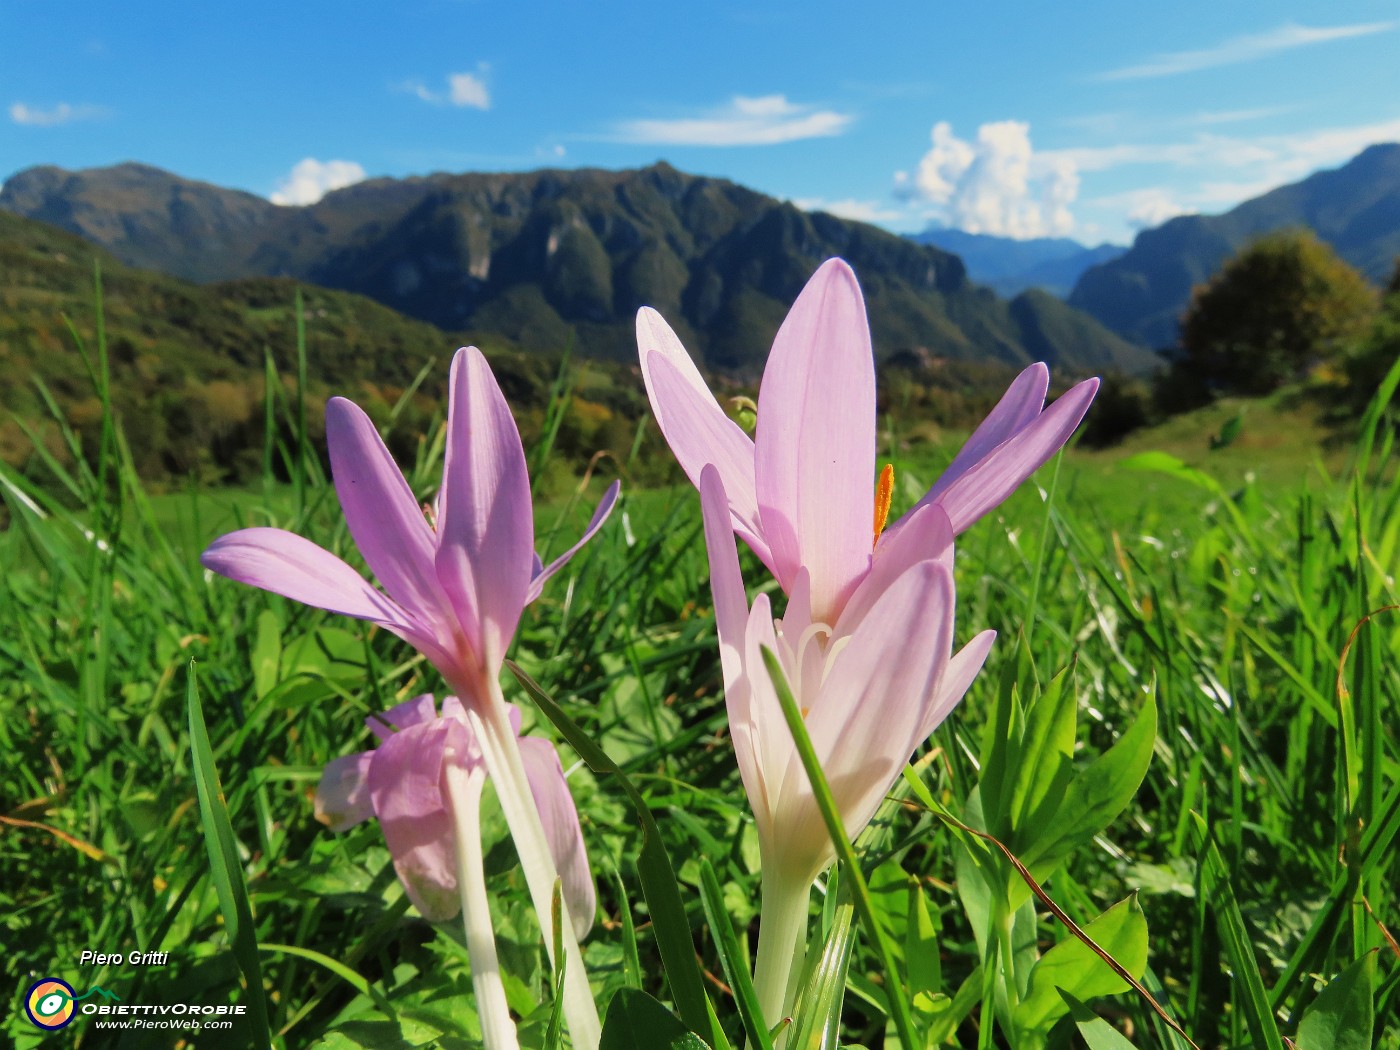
1279 308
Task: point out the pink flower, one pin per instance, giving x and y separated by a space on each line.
455 593
872 684
801 493
403 783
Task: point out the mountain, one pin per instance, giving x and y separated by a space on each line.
1012 266
1355 209
548 258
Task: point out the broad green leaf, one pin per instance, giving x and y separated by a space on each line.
636 1021
1342 1016
1096 795
1097 1033
818 1014
1044 765
921 944
1074 967
733 959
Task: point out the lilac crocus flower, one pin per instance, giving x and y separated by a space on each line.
424 783
455 592
801 493
871 686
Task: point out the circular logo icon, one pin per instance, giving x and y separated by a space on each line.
49 1003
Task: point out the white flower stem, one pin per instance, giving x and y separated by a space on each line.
782 943
464 789
501 749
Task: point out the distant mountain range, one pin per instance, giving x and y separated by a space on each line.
1011 266
1355 208
544 258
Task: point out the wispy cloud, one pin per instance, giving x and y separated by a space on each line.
62 113
1243 49
876 212
312 179
744 121
463 90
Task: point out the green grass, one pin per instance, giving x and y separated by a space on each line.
1260 844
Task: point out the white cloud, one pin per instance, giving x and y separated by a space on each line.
1152 207
469 90
62 113
464 90
996 185
850 208
1243 49
744 121
312 179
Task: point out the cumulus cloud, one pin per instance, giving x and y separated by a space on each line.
997 184
62 113
1244 49
745 121
468 89
312 179
464 90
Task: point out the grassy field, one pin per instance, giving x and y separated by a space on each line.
1231 588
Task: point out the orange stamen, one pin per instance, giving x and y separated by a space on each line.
884 492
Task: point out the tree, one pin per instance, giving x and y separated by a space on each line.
1284 305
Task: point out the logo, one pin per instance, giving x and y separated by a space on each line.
49 1002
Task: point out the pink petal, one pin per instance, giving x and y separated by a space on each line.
700 434
542 573
386 521
419 710
405 784
342 797
763 729
486 532
984 485
952 687
282 562
925 534
561 828
815 448
865 722
1018 407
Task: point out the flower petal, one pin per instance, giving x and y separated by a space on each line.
417 711
699 433
985 484
952 687
405 785
542 573
486 541
815 447
865 721
385 520
925 534
1019 406
560 818
284 563
342 796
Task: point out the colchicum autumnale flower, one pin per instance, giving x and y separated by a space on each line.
424 783
454 592
872 686
801 492
865 638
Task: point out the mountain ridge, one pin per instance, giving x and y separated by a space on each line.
545 257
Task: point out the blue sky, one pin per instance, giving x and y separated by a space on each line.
1088 120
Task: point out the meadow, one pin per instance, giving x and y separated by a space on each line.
1196 655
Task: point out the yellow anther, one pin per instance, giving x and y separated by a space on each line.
884 492
805 712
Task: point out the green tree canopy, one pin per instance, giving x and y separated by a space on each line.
1279 308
